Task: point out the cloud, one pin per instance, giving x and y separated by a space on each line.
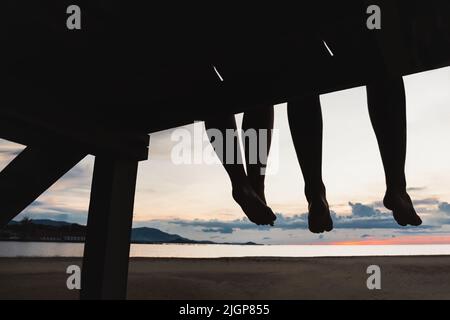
416 202
37 203
362 217
79 172
218 226
10 152
46 210
66 200
361 210
426 201
444 207
412 189
226 230
367 217
73 217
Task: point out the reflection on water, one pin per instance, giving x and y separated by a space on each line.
49 249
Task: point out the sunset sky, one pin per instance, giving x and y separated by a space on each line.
195 200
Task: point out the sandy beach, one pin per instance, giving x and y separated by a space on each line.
242 278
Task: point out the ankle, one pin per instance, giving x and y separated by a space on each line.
315 193
395 191
396 186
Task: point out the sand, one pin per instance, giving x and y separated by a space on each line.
242 278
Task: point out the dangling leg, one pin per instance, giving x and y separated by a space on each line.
256 154
305 120
387 109
255 209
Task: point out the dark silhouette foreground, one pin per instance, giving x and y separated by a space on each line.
248 186
351 45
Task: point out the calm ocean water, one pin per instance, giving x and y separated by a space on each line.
39 249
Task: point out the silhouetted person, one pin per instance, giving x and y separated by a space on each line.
248 188
305 121
354 50
353 46
387 109
242 52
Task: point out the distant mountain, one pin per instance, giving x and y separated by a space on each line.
48 222
152 235
52 230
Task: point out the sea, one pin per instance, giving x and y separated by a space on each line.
55 249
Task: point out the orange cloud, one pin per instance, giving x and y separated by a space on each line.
422 239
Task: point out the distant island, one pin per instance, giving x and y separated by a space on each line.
45 230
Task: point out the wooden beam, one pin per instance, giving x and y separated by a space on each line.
149 90
38 129
31 173
106 251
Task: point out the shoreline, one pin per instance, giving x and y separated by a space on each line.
136 242
402 277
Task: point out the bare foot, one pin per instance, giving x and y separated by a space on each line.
319 218
252 205
259 188
402 208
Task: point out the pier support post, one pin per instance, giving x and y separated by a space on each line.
107 246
